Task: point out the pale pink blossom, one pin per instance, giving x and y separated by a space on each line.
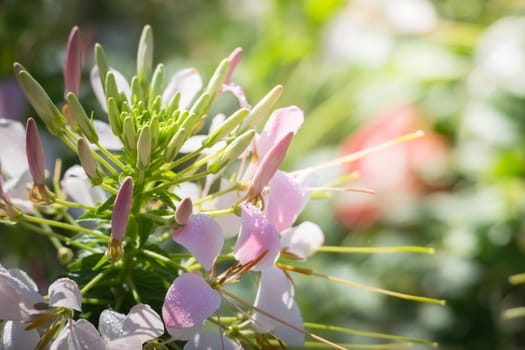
211 341
303 240
257 237
202 237
188 303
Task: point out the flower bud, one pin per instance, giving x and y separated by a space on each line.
79 114
218 78
202 105
73 63
184 211
261 109
154 125
119 218
40 101
87 160
268 166
114 116
233 151
157 82
145 55
111 88
144 148
129 133
234 59
102 63
175 145
226 128
37 164
137 93
35 153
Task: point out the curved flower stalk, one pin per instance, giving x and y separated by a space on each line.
156 171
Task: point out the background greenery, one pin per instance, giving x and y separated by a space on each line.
458 66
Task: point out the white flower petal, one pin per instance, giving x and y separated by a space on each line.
106 138
17 296
64 292
110 324
188 82
78 335
303 240
76 185
274 296
288 335
13 151
143 324
15 337
211 341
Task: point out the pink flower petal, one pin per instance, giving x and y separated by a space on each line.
285 201
201 236
73 63
188 82
281 122
188 303
257 236
110 324
14 336
303 240
211 341
64 292
274 296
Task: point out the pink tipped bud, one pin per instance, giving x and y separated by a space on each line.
184 211
119 218
234 58
35 153
73 63
268 166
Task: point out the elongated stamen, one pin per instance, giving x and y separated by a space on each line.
310 272
372 250
363 153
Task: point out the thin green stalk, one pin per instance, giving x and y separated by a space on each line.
517 279
73 204
66 240
215 195
162 258
94 281
367 250
369 334
514 312
111 156
185 158
65 226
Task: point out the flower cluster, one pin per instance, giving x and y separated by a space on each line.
159 169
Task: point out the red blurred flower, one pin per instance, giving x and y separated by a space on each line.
403 171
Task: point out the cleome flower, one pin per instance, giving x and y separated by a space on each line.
161 167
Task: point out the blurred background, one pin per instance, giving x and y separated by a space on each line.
364 72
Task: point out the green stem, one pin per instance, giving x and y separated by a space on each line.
366 250
94 281
64 226
517 279
73 204
50 234
185 158
111 156
162 258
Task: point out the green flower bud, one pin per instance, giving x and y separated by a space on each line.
202 105
218 78
40 101
111 89
175 145
232 152
88 162
155 131
157 82
102 63
145 56
79 114
137 94
114 116
129 133
261 109
144 148
173 105
226 128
